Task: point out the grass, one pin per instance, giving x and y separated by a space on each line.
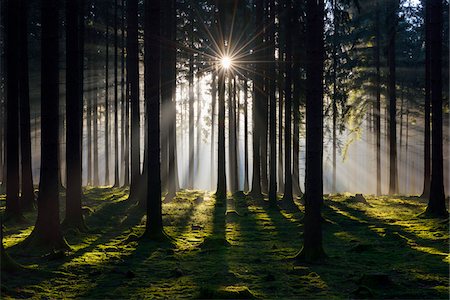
237 248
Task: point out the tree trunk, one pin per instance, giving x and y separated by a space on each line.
74 112
246 186
133 77
257 111
213 117
152 79
288 195
427 108
27 195
436 202
392 25
173 168
191 113
378 98
272 110
221 191
47 232
107 144
312 230
13 209
116 99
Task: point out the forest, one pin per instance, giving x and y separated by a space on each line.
224 149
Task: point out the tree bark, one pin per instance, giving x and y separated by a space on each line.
312 230
13 209
74 109
27 191
152 63
436 202
47 232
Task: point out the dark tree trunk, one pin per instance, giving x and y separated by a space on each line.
232 133
47 232
152 64
378 98
427 108
173 184
436 203
133 77
213 118
334 104
107 145
297 191
246 185
27 193
312 230
191 112
392 26
116 98
74 112
13 209
257 110
288 195
221 191
125 107
272 109
280 76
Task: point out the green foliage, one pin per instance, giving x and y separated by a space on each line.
239 248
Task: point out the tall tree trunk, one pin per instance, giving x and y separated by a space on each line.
246 185
436 202
232 133
312 230
173 184
133 78
272 109
95 156
116 98
257 110
74 112
107 144
124 98
280 76
378 98
427 108
13 208
27 195
213 118
288 195
152 79
334 104
191 113
392 26
221 191
47 232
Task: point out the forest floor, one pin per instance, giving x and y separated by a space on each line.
240 249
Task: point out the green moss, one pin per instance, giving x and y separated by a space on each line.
242 254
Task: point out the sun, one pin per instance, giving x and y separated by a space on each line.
225 62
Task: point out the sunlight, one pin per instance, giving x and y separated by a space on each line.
226 62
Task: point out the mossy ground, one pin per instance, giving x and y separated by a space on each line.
237 248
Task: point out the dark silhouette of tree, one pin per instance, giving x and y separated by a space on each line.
378 97
221 190
13 209
392 27
116 97
133 78
272 108
107 143
312 230
256 107
27 188
152 86
427 108
436 202
74 109
47 231
288 195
